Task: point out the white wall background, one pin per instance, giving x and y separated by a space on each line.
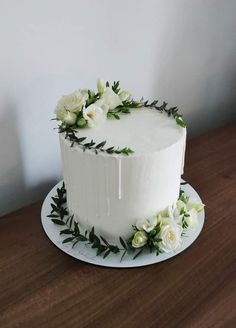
181 51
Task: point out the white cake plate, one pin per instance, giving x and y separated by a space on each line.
84 252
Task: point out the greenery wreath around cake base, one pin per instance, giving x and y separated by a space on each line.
160 233
87 108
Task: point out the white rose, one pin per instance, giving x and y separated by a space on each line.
147 224
101 84
111 99
69 118
72 102
170 235
124 95
192 219
140 239
84 93
93 114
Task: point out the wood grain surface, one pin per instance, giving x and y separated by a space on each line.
42 287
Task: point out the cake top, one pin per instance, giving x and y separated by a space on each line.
144 131
110 121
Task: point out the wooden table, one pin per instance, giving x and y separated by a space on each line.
42 287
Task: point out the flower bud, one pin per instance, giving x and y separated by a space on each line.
81 122
124 95
69 118
140 239
101 84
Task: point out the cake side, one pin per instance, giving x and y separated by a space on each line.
111 192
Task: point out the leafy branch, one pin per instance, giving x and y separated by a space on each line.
73 233
124 108
172 111
70 134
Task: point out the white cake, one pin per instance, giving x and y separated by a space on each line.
112 191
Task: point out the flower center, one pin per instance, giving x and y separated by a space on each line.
171 235
91 115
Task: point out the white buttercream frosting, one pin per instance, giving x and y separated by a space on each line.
111 192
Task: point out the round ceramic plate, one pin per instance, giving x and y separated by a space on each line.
84 252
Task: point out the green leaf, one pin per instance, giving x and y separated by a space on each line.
79 140
53 216
114 249
106 253
56 200
123 255
104 240
123 243
76 228
70 222
82 238
137 254
110 150
96 240
54 208
76 242
67 240
100 249
66 232
59 222
91 235
117 116
157 240
101 144
180 122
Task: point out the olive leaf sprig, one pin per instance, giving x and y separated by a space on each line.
70 134
73 233
172 111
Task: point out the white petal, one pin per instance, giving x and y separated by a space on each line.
111 99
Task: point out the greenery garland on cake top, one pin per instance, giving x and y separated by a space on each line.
161 233
87 108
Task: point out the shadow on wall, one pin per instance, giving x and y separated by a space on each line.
13 191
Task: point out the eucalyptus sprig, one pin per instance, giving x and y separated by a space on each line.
124 108
172 111
70 133
60 216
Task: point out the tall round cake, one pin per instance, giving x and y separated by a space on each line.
111 191
122 165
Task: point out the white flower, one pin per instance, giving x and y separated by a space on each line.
101 84
69 118
111 99
84 93
147 224
181 205
192 219
102 104
166 220
93 114
173 213
124 95
193 204
72 102
170 235
140 239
